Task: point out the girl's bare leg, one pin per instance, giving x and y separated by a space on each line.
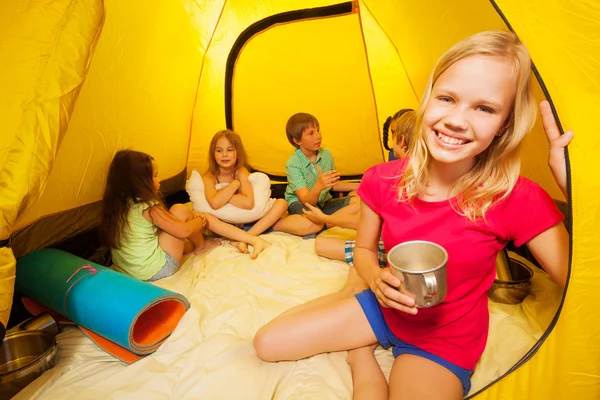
417 378
175 246
279 208
368 381
354 284
353 207
329 247
367 377
233 232
297 224
335 326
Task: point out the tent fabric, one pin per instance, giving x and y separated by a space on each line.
155 80
44 50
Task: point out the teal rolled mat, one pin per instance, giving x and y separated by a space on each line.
133 315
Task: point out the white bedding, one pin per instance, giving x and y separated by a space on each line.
210 354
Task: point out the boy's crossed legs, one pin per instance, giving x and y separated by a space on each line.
298 224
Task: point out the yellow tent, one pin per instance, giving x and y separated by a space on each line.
80 80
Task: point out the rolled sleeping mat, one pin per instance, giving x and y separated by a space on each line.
132 314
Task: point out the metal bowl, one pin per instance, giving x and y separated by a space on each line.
514 290
24 356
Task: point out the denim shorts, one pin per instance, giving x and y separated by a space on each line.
332 205
386 338
171 266
349 253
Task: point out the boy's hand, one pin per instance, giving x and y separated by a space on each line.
327 179
314 214
558 142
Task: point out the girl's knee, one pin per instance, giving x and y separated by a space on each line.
263 345
321 245
181 211
281 205
313 227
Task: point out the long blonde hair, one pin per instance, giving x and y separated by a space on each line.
497 168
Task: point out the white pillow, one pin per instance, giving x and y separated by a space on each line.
229 213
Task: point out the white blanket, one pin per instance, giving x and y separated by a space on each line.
210 354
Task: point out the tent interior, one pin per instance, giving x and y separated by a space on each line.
81 80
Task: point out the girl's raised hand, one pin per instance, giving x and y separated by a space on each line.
557 142
386 290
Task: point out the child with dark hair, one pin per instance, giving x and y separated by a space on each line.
146 240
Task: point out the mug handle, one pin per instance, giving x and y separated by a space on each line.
431 285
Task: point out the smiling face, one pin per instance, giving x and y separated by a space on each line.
468 106
225 153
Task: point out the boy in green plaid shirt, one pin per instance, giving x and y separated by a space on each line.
311 175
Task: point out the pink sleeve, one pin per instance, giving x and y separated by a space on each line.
532 212
368 190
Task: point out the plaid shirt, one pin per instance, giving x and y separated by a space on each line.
302 172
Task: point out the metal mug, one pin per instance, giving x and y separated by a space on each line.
421 267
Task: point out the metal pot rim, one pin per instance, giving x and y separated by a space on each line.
517 281
48 355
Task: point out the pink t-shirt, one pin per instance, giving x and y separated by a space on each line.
457 328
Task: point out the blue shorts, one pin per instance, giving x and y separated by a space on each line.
349 253
332 205
386 338
171 266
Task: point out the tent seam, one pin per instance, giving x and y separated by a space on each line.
187 157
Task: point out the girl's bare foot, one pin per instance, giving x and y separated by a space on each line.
208 244
241 246
258 247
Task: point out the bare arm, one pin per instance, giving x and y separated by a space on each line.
386 287
218 198
244 199
551 249
309 196
558 143
349 221
345 186
367 241
325 180
171 224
